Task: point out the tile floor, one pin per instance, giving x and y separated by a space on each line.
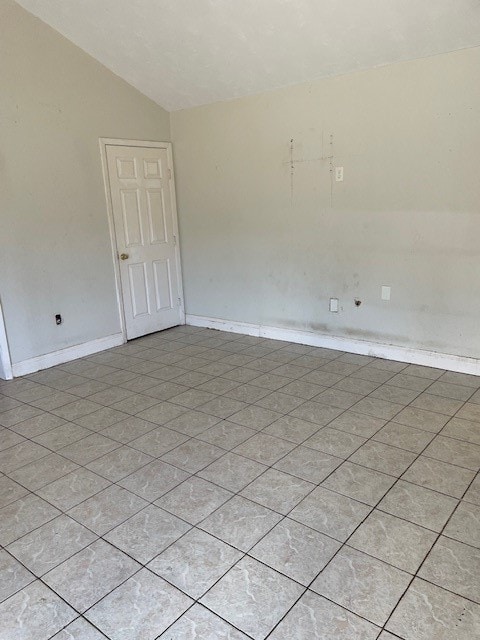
195 484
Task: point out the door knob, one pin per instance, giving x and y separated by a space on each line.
124 256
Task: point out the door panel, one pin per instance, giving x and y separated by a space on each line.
145 231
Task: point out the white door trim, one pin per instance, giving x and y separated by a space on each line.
104 142
5 362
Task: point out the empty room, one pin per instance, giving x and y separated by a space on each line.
239 320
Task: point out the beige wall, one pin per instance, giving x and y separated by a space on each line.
261 245
55 254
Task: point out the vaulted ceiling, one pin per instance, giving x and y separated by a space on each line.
183 53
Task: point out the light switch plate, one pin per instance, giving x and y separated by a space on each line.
386 293
334 305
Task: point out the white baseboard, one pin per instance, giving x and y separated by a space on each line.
461 364
25 367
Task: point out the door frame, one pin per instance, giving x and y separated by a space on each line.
120 142
6 372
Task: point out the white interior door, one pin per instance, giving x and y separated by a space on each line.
146 234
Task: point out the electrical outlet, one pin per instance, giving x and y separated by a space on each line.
386 293
58 319
338 174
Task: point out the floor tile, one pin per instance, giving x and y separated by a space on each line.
9 438
448 390
430 402
295 550
427 612
10 491
147 533
89 448
315 618
193 423
464 525
36 611
144 605
226 435
280 402
399 435
240 522
119 463
383 457
59 437
195 562
330 513
277 490
22 516
264 448
18 414
158 441
153 480
421 419
302 389
232 471
292 429
308 464
335 443
454 566
430 373
101 419
360 483
193 398
162 412
222 407
320 414
252 597
135 404
199 623
165 390
194 499
358 424
127 430
37 425
463 430
193 455
416 504
473 493
338 398
378 408
51 544
395 394
43 471
13 576
406 381
90 574
255 417
73 488
79 629
396 541
461 378
464 454
469 411
439 476
107 509
77 409
365 585
20 455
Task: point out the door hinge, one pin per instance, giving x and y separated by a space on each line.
179 302
174 239
169 174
